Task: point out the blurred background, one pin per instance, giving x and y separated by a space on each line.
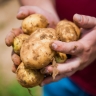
8 83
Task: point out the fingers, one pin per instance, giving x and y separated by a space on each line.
10 37
50 79
70 66
9 41
84 21
65 70
27 10
16 59
72 48
14 68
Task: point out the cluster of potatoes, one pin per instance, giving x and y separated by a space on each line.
34 49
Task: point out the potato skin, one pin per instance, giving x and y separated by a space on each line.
36 52
27 77
33 22
44 34
67 31
60 57
18 41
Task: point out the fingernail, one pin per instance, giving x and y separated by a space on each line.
78 17
54 45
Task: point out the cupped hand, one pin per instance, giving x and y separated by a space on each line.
83 51
23 13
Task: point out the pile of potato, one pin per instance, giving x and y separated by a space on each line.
34 49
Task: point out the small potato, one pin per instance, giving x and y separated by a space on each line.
60 57
27 77
36 52
18 41
67 31
33 22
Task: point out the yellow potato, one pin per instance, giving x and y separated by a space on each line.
33 22
27 77
18 41
67 31
60 57
36 52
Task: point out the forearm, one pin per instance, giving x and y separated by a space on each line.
48 5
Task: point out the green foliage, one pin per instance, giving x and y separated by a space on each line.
15 89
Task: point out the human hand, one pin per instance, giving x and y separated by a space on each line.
23 13
83 51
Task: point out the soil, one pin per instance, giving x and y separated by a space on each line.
8 11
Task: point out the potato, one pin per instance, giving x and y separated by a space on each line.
27 77
33 22
44 34
60 57
36 52
67 31
18 41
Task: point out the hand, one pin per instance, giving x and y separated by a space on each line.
83 51
23 13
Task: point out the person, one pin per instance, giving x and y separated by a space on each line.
77 75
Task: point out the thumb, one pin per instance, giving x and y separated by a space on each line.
84 21
25 11
73 48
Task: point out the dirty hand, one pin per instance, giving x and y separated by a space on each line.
23 13
83 51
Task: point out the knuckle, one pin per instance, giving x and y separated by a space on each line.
15 32
16 59
88 20
9 39
86 55
77 48
74 49
85 20
87 48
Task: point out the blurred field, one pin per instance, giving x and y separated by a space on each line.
8 83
